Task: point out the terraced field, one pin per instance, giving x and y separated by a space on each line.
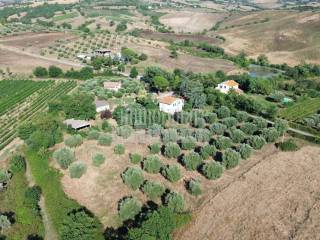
25 109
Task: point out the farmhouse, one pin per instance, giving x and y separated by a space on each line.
101 106
113 86
76 124
170 104
102 52
84 56
226 86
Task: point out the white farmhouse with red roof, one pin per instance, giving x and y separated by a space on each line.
226 86
170 104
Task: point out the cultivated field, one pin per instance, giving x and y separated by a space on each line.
274 196
191 21
284 36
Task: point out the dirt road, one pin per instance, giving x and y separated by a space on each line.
277 198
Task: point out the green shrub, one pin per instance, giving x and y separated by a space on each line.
154 130
152 164
77 169
288 146
199 122
129 208
242 116
172 173
106 127
202 135
98 159
169 135
270 134
223 142
17 163
223 112
188 143
260 122
257 142
192 161
218 128
135 158
249 128
236 135
93 134
172 150
64 157
194 187
124 131
186 132
155 148
175 202
207 151
133 177
230 121
281 126
211 118
153 190
212 170
105 140
74 141
119 149
245 151
230 158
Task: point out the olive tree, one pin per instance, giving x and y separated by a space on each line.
194 187
212 170
249 128
124 131
98 159
64 157
172 150
152 164
236 135
207 150
223 142
135 158
270 134
119 149
132 177
4 222
192 161
223 112
175 202
230 121
188 143
257 142
129 208
153 190
172 173
105 139
245 151
218 128
230 158
77 169
202 135
169 135
155 148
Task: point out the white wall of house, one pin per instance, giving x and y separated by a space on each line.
102 108
176 106
225 88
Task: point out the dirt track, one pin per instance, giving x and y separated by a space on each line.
276 198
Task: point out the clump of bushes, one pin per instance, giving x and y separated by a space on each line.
249 128
192 161
194 187
74 141
175 202
270 134
93 134
172 150
98 159
212 170
154 130
230 121
105 139
230 158
119 149
223 142
218 128
207 151
236 135
257 142
172 173
260 122
155 148
245 151
188 143
135 158
288 146
202 135
133 177
152 164
77 169
153 190
129 208
64 157
124 131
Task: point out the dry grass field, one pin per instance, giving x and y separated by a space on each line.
288 36
191 21
275 195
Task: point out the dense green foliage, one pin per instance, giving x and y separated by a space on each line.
133 177
175 202
192 161
212 170
152 164
153 190
172 173
129 208
172 150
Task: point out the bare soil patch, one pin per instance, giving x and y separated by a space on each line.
191 21
276 198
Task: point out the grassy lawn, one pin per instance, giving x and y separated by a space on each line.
27 221
65 16
48 178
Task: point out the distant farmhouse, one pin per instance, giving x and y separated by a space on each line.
227 86
76 124
101 52
101 105
112 86
170 104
